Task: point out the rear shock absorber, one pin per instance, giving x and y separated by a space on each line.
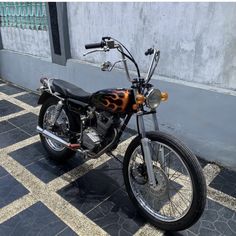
57 112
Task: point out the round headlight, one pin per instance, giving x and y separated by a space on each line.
153 98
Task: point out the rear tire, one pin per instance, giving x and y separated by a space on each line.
56 155
198 183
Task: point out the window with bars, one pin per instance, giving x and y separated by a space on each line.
25 15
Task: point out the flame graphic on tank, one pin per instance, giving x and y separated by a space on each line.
117 101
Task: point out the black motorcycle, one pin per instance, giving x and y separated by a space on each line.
162 176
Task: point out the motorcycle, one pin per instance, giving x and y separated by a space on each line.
163 178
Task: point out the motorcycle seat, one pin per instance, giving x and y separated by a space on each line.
69 90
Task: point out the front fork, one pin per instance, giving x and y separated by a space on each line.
145 142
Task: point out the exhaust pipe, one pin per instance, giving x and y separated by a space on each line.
50 135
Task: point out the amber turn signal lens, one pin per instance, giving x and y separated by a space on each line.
164 96
140 99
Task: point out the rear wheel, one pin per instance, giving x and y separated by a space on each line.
64 123
179 198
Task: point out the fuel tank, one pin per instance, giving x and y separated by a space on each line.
113 100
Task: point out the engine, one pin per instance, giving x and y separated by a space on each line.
99 132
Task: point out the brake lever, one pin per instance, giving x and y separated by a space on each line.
107 66
105 49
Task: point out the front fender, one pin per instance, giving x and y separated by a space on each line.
44 96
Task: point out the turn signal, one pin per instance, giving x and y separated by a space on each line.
140 99
164 96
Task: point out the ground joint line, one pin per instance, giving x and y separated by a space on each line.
17 94
13 115
19 103
210 172
16 207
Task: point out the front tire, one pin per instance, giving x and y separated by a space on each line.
55 151
151 203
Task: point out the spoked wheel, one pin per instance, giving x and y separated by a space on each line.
178 199
64 123
62 120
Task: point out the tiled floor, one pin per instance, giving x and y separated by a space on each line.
10 189
7 108
35 220
81 197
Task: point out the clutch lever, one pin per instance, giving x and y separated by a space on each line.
105 49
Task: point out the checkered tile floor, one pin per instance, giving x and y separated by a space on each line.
41 197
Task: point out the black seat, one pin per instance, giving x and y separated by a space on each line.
69 90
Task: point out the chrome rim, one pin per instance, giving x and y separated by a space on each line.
172 198
62 120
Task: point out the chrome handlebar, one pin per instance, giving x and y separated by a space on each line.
112 44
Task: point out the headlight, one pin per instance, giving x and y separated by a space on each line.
153 98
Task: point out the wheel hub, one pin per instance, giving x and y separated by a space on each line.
161 187
140 177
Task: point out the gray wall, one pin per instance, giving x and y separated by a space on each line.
197 40
33 42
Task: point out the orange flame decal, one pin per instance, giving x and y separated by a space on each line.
117 101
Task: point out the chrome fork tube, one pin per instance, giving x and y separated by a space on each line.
160 149
155 121
146 149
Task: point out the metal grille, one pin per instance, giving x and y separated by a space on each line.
25 15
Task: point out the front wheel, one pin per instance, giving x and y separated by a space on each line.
178 199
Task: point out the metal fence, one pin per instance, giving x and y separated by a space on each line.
25 15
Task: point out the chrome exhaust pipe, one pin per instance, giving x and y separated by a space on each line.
50 135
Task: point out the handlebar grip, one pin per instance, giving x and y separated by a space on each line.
95 45
150 51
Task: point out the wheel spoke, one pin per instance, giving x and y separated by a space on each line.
167 200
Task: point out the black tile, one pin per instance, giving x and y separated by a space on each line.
225 182
88 191
29 154
10 89
35 220
24 119
29 98
6 126
27 122
216 220
3 172
47 170
7 108
12 137
117 215
66 232
10 190
30 127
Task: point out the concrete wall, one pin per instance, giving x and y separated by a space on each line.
27 41
197 40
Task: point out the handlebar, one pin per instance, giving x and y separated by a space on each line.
95 45
108 43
